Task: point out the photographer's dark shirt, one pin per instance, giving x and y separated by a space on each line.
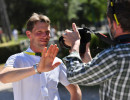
110 69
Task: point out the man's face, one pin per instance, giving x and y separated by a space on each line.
39 37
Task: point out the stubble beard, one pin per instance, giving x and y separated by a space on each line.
113 32
41 47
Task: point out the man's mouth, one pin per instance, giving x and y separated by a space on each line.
43 41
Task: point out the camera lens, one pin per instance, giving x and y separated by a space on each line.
62 43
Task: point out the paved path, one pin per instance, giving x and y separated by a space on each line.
88 93
6 92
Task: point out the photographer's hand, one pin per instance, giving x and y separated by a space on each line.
72 38
87 55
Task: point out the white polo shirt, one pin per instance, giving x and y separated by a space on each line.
39 86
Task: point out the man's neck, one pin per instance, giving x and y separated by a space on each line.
36 50
125 38
121 33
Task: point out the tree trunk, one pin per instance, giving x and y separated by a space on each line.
5 21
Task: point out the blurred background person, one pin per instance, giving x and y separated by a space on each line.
15 34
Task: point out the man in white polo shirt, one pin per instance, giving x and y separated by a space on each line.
31 83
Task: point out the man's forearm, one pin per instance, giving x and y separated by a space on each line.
76 96
75 46
10 74
75 92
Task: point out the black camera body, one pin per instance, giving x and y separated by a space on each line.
85 35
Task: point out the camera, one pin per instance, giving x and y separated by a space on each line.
85 35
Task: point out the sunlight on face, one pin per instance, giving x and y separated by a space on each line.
40 36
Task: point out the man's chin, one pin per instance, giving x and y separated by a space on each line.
43 45
41 48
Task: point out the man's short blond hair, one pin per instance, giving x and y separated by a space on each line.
35 18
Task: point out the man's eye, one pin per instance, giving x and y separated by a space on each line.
47 32
38 33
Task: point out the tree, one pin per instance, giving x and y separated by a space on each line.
5 21
61 12
20 10
93 10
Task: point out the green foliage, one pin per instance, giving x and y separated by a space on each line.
56 11
7 51
74 7
94 10
20 10
61 12
9 48
97 45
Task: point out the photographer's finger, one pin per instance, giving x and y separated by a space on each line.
68 31
64 36
66 39
74 27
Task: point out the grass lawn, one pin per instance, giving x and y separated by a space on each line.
12 42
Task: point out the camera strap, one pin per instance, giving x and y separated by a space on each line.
105 38
118 40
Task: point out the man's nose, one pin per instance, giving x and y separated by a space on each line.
44 35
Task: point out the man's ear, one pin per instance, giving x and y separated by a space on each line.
117 27
28 33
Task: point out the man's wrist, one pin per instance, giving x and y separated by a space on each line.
75 46
35 68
